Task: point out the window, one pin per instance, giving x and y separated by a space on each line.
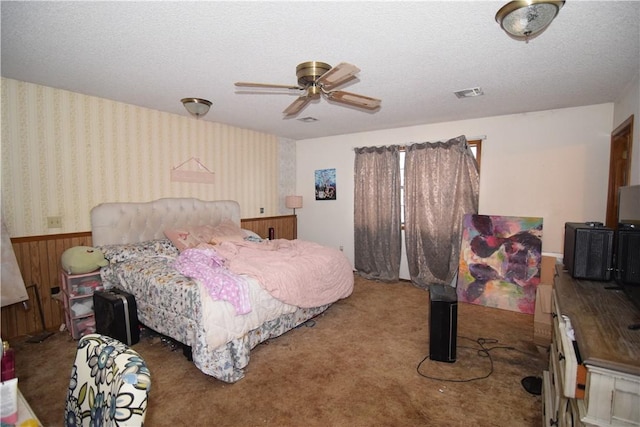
476 149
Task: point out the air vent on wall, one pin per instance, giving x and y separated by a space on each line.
468 93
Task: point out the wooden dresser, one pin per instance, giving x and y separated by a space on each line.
593 380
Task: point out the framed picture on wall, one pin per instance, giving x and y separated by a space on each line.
325 184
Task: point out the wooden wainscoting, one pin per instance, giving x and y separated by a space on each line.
39 261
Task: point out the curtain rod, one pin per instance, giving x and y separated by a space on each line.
473 138
469 138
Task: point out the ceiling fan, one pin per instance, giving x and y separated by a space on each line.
316 79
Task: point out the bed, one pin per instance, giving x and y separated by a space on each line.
270 291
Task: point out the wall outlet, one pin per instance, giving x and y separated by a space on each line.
341 248
54 222
261 210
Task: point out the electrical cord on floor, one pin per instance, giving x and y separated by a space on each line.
483 351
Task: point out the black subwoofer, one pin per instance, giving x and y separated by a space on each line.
443 323
588 250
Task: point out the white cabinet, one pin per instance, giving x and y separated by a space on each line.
613 399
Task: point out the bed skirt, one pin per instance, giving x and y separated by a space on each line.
227 363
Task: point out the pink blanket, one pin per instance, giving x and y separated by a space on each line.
296 272
207 266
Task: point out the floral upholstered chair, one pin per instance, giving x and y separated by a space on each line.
109 384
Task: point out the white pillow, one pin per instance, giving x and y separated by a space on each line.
250 234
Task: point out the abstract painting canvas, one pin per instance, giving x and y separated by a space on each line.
500 259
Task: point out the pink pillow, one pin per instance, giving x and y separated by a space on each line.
182 239
216 240
227 228
203 233
190 237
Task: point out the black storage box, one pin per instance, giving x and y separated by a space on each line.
116 315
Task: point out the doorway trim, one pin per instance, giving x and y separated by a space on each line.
619 167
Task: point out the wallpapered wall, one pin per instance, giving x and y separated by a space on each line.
64 152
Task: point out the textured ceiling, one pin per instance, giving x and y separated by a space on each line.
413 56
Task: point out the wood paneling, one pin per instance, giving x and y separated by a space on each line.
39 261
285 227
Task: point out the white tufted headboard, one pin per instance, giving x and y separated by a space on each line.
120 223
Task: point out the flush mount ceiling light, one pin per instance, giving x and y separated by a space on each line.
198 107
524 19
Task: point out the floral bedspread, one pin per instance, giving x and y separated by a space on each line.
172 304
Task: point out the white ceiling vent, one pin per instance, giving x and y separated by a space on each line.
468 93
308 119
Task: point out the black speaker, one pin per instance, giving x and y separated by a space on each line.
628 256
443 323
588 250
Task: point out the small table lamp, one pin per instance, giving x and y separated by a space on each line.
293 202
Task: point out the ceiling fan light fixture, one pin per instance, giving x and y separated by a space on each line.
314 91
197 107
309 72
524 19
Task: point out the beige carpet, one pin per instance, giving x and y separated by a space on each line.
355 367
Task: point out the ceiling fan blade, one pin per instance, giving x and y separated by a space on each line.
297 105
354 99
338 75
267 85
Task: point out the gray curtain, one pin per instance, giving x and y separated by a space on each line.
441 185
377 223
